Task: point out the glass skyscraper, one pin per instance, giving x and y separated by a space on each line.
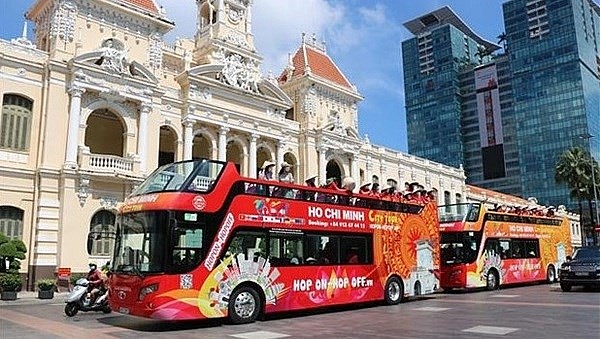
506 117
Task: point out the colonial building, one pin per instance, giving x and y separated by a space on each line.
97 100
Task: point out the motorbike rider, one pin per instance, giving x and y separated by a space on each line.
95 282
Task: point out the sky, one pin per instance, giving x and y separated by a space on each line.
363 37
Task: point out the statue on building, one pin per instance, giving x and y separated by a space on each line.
113 56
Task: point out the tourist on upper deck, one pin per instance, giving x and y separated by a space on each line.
285 173
266 171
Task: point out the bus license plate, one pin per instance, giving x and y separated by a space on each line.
123 310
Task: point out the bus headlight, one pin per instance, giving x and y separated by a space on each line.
147 290
566 268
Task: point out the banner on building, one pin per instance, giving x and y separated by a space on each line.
490 121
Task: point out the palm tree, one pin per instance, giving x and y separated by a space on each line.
573 169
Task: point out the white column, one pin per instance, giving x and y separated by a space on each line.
252 151
322 164
369 177
73 132
249 18
280 146
223 143
145 109
188 139
354 168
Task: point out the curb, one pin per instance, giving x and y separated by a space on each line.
30 298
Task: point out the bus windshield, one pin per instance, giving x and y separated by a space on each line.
198 176
140 245
459 212
459 247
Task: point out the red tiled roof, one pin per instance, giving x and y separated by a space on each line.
320 65
148 5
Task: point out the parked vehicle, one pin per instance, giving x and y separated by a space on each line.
581 270
79 300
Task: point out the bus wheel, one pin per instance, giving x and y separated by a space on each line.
491 280
551 275
417 288
244 305
394 291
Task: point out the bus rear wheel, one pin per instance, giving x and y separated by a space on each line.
491 280
394 291
244 305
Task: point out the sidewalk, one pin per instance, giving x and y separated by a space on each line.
30 298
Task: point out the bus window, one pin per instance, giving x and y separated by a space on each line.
187 247
533 248
285 249
505 251
356 250
492 246
322 249
251 244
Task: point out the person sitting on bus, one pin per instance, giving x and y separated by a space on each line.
285 173
347 187
352 256
311 260
327 254
375 189
310 182
266 171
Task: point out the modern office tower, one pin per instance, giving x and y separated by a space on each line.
432 62
506 117
555 64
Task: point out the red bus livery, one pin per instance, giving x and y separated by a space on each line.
483 248
196 240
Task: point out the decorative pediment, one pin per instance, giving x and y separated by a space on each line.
117 67
264 86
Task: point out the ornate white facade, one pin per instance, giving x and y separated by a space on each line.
107 101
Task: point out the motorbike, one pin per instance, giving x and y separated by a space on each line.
78 299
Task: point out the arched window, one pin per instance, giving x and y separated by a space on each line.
102 231
458 198
11 222
15 123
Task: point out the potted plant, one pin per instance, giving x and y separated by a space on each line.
10 283
46 288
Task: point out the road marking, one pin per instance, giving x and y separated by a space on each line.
519 303
505 296
491 330
259 335
431 309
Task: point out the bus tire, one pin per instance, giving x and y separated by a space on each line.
491 280
244 305
551 275
394 291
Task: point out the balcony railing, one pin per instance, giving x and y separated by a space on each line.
108 164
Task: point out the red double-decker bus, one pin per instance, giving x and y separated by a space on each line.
196 240
486 248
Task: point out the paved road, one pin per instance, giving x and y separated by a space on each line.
538 311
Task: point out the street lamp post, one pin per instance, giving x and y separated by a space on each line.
597 221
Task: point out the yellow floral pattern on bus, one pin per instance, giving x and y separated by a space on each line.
395 250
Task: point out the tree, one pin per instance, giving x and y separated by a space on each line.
11 252
574 168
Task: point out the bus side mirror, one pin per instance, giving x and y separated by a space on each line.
569 258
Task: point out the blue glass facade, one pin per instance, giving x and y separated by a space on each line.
549 85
